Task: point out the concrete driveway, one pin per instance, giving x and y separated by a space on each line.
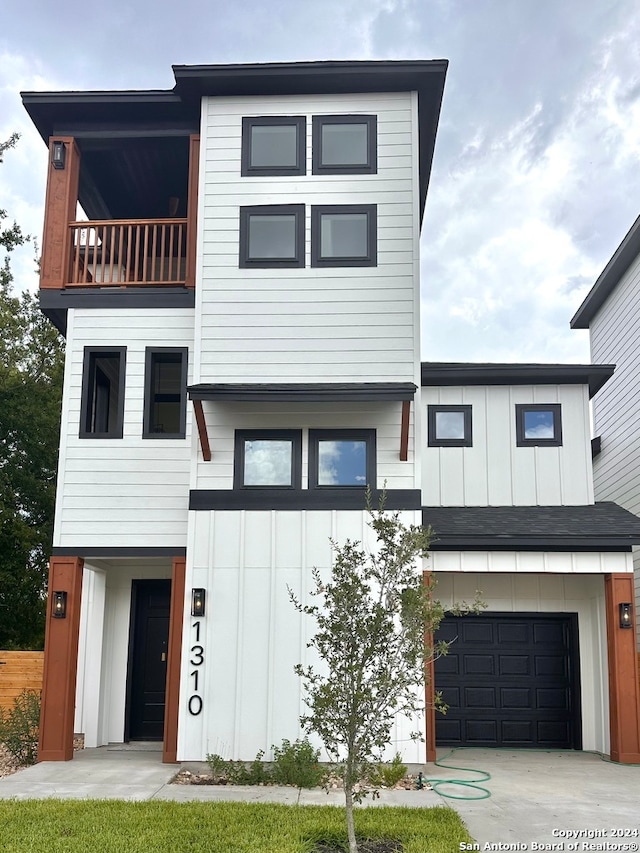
537 798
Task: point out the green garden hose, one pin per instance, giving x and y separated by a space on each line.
484 793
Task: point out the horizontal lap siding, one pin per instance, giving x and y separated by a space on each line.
494 471
308 324
130 491
19 671
385 418
614 335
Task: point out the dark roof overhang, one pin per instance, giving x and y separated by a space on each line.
593 527
608 279
454 373
304 392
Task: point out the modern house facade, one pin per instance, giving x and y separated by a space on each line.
241 310
610 312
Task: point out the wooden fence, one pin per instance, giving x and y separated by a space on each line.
19 671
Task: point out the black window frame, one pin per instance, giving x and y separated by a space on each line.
246 212
150 352
242 435
555 408
368 168
367 435
88 390
369 260
432 438
249 122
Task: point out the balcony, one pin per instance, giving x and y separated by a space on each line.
128 253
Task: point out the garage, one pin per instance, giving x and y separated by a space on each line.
510 680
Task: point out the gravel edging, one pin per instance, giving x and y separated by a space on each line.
8 764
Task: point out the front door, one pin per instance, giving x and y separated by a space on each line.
148 661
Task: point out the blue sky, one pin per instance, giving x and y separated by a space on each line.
535 178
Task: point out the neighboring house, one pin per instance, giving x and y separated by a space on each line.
241 309
611 312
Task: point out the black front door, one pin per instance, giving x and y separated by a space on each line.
148 658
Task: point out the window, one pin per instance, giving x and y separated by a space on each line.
165 401
274 145
344 145
268 458
538 425
345 457
449 426
344 235
272 236
102 405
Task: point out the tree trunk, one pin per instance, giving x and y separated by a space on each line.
351 832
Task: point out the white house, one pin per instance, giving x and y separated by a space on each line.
240 301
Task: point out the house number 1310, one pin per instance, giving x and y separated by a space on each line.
196 659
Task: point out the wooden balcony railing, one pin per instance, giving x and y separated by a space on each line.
121 252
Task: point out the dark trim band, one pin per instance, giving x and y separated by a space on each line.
300 499
530 543
88 552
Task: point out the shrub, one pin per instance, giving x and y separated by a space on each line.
237 772
19 727
390 774
297 764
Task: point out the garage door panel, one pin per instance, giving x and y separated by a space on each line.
514 681
479 665
514 665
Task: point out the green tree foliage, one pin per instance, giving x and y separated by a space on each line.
31 367
374 620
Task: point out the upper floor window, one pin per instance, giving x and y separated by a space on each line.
449 426
538 425
272 236
342 457
102 401
344 235
274 145
165 402
268 458
344 144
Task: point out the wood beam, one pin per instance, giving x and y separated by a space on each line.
202 430
59 211
624 690
55 742
192 210
172 695
404 431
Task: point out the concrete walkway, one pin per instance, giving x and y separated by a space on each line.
536 797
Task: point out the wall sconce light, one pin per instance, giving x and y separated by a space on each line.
626 620
197 602
59 605
59 155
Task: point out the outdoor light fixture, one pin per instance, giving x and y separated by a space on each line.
59 605
59 155
197 602
625 615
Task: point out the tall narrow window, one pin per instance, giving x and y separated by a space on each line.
165 404
102 406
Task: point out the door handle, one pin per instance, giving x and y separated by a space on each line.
163 656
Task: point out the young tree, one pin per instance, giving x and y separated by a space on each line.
31 364
373 627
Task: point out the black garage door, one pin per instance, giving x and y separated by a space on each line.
510 680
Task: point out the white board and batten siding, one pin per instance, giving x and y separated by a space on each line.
494 471
614 333
552 593
252 636
308 324
128 492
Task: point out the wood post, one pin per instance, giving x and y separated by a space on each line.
59 211
192 210
624 690
170 738
55 742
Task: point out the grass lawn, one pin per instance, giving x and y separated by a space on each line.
114 826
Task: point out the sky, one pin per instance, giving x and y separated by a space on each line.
536 174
